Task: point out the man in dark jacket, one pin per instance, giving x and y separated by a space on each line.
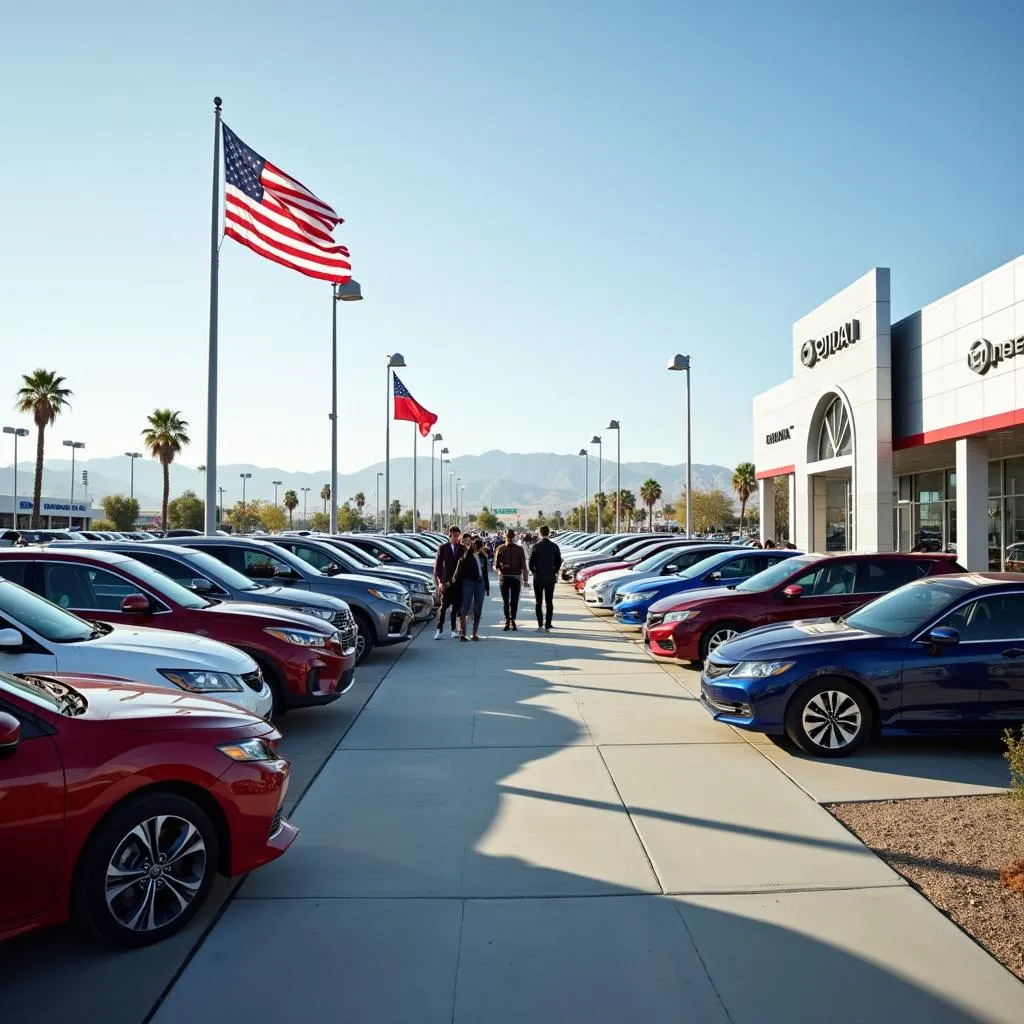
445 563
510 565
545 561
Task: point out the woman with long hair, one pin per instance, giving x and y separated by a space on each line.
474 583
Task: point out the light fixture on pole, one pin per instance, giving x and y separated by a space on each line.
440 485
395 361
599 493
305 518
131 486
463 524
451 496
614 425
16 432
680 363
376 518
74 446
245 511
434 438
349 292
276 483
586 490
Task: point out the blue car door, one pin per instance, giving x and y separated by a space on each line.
974 681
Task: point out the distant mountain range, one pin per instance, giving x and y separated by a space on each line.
528 482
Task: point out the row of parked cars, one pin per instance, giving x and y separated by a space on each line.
829 650
138 679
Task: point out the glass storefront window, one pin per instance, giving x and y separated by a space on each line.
928 486
1014 534
951 526
1014 478
995 535
906 488
837 499
995 479
928 524
951 484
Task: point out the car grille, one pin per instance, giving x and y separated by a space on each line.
396 624
345 624
275 825
254 680
715 670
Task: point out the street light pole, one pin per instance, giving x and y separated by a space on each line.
74 446
599 493
349 292
131 486
17 432
614 425
463 523
245 511
276 483
305 517
433 439
451 496
680 363
394 360
586 489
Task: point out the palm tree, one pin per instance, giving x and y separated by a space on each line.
360 500
291 502
325 495
165 437
744 483
650 492
44 396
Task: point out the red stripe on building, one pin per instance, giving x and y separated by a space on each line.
765 474
985 425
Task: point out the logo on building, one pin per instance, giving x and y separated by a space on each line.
829 344
983 354
785 434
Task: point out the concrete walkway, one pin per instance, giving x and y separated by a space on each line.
549 828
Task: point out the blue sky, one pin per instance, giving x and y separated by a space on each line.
544 201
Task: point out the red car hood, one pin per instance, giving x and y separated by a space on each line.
129 705
705 596
594 570
271 615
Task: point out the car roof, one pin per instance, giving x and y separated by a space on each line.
65 551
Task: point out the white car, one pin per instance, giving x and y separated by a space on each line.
38 636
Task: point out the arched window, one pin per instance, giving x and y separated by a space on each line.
835 437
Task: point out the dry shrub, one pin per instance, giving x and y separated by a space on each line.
1015 758
1012 876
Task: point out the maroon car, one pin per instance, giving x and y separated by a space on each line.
304 660
689 627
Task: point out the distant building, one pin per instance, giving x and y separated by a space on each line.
55 513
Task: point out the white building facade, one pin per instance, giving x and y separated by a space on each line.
895 436
55 513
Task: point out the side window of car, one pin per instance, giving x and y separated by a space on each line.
884 575
71 586
317 559
736 569
13 571
995 618
833 579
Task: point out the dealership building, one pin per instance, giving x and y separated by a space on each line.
55 513
895 436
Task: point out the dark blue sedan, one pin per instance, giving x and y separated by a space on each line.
941 655
723 569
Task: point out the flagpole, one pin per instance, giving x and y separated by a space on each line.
387 450
211 382
415 431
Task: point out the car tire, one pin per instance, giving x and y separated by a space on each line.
716 635
364 639
275 682
829 718
121 854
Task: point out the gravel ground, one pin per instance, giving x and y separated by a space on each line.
952 850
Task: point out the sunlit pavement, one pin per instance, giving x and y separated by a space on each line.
549 828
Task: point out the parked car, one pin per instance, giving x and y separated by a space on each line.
383 611
726 568
332 561
603 589
385 549
10 538
690 627
616 548
39 636
587 573
305 660
367 561
122 802
943 654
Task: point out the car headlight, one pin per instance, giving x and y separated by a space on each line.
690 613
760 669
320 613
644 595
299 637
202 681
249 750
386 595
602 587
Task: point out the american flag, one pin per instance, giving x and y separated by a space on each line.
407 408
278 217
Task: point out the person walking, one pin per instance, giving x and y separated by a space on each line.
510 565
473 583
545 561
445 564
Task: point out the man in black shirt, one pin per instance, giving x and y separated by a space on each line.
545 561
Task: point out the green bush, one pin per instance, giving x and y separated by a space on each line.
1015 758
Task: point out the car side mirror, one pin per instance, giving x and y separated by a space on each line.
792 591
10 732
201 586
384 556
135 604
11 638
713 577
942 636
284 573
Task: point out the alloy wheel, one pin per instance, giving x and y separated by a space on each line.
832 719
155 873
721 636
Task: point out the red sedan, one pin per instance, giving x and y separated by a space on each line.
805 587
304 660
121 802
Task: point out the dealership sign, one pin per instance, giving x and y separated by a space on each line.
829 344
984 354
55 506
785 434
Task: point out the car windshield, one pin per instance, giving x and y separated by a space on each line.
218 572
357 554
46 692
23 608
907 609
166 587
772 577
635 557
656 561
704 565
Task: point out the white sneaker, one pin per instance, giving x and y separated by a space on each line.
438 635
455 634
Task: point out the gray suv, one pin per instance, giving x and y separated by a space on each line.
383 610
